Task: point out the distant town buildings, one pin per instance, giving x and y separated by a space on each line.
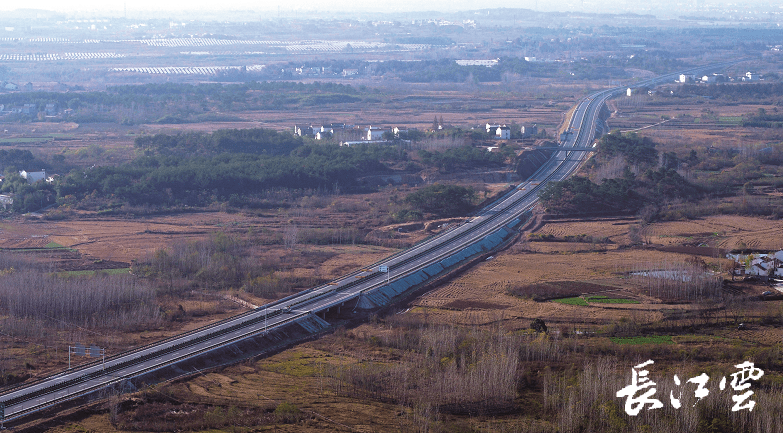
718 78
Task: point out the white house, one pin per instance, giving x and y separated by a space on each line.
750 76
492 127
503 133
374 133
6 200
302 130
527 131
686 78
33 176
397 131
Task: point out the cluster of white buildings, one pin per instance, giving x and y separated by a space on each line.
758 265
715 78
503 132
349 135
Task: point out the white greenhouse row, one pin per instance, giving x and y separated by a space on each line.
178 70
186 70
63 56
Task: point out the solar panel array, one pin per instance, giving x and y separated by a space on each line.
62 56
178 70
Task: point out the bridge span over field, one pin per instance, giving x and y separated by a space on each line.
304 315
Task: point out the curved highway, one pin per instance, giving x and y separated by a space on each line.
344 292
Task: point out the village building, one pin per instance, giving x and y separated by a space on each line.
503 133
33 176
375 133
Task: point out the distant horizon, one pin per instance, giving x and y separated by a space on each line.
375 6
76 6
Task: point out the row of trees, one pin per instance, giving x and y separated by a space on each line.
181 103
463 157
659 180
112 301
634 149
219 262
235 165
747 91
252 141
234 162
626 194
446 368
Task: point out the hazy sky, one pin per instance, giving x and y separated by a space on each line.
270 5
116 7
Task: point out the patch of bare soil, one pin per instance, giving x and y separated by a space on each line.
720 231
472 304
560 289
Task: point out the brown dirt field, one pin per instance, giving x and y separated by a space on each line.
693 125
615 230
722 231
122 239
393 113
567 247
489 282
718 231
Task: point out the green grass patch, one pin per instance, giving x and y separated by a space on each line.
297 365
606 300
571 301
22 140
697 339
53 245
594 299
730 119
118 271
653 339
